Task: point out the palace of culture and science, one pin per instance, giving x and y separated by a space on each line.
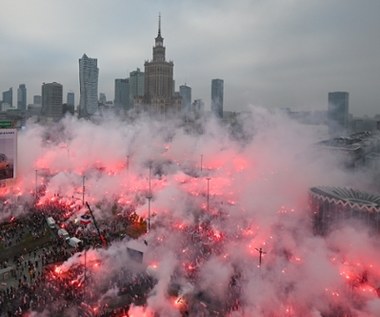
159 94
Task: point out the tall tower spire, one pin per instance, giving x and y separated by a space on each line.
159 24
158 82
159 39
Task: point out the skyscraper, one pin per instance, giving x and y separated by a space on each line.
217 91
88 80
185 93
37 100
136 85
70 100
337 112
21 97
52 101
8 97
159 84
122 94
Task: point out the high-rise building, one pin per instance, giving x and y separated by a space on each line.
102 98
37 100
21 97
337 112
8 97
122 94
52 101
136 85
88 80
217 91
70 100
185 93
159 83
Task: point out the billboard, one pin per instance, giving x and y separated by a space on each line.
8 153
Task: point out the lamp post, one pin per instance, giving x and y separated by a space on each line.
208 193
261 252
201 162
85 271
149 196
35 183
83 189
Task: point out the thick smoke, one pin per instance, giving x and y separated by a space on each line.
218 197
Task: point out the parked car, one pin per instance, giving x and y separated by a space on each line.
62 233
74 242
51 222
4 162
6 166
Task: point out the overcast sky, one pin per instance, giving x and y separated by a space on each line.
273 53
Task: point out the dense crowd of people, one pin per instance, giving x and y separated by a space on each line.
38 287
32 285
16 230
46 288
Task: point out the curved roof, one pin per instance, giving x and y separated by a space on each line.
348 196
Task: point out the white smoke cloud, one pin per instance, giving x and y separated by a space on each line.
216 201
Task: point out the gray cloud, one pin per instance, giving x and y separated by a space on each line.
277 53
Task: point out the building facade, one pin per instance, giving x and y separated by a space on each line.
8 97
37 100
158 82
88 80
70 99
102 98
185 93
121 100
21 97
217 92
52 108
136 85
337 113
331 206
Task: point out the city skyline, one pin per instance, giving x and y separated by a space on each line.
273 54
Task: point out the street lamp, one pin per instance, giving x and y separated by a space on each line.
84 274
261 252
83 189
201 162
35 183
149 196
208 193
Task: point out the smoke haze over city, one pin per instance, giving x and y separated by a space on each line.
217 199
206 161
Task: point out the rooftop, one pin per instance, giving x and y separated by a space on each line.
348 196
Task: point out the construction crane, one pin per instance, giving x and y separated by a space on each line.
101 237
